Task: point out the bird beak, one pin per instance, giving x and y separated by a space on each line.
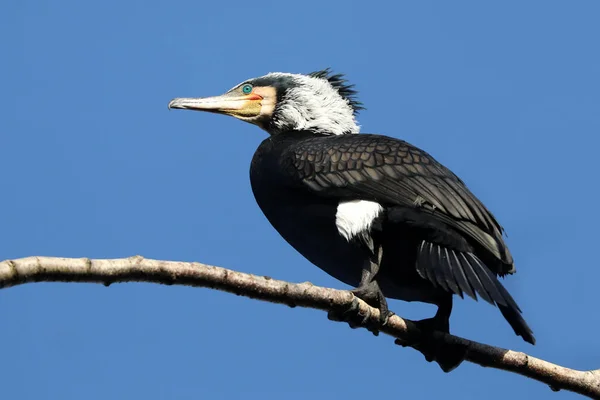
234 104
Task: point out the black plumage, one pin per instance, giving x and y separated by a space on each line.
373 211
436 235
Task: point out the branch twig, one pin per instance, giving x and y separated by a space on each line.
50 269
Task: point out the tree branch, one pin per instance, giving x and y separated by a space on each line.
138 269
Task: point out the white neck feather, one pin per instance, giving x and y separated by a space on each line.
314 105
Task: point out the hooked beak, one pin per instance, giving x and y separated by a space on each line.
234 104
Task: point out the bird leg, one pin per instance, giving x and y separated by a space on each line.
448 356
441 320
368 291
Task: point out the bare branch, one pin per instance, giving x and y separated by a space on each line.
50 269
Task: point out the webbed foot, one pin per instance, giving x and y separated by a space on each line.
448 356
372 295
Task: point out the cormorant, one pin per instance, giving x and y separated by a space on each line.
373 211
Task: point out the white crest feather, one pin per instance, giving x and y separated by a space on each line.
314 105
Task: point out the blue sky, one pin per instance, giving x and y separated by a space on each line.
94 165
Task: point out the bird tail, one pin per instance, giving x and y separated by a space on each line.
461 272
513 316
505 302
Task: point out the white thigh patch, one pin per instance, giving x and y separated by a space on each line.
354 218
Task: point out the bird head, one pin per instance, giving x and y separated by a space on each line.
321 102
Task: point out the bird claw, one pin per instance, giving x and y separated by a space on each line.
350 314
355 319
447 356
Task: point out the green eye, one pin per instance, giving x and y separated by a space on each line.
247 89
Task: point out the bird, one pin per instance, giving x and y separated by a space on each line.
373 211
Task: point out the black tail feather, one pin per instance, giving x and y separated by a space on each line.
512 313
507 305
460 272
474 280
518 324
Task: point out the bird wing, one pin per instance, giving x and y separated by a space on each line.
393 172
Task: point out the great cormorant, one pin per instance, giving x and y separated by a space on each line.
373 211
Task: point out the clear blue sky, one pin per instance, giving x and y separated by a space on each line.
94 165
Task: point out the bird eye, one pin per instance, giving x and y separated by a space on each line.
247 89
